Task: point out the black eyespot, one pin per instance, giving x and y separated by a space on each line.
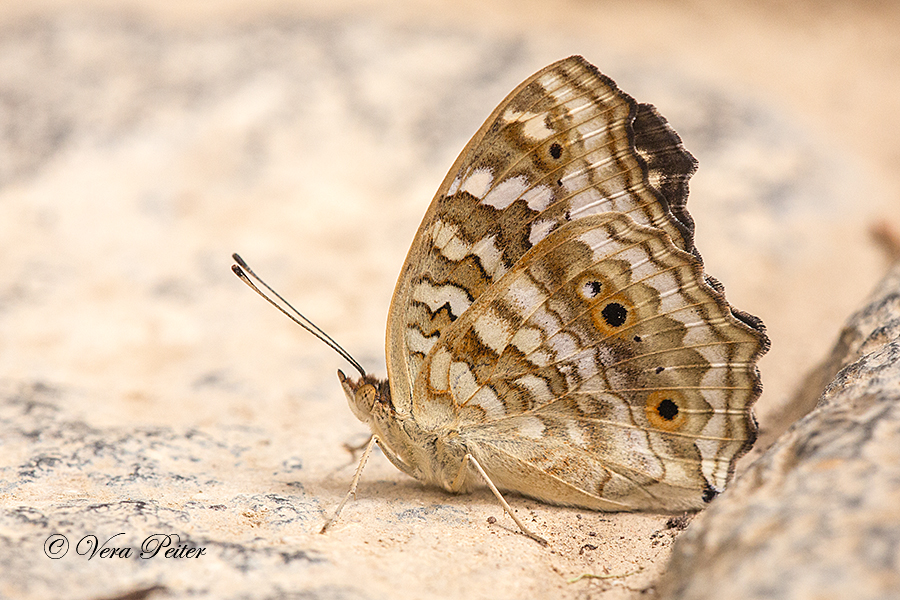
709 493
667 409
555 150
638 339
614 314
660 370
594 287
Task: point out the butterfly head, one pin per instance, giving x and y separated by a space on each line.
366 396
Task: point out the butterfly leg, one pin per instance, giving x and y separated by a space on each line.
460 480
367 450
353 483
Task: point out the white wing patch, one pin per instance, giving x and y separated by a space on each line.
540 229
534 125
418 342
537 386
493 330
527 340
436 296
462 383
536 128
576 434
487 399
439 377
490 256
538 198
506 192
446 239
478 183
454 187
524 295
597 239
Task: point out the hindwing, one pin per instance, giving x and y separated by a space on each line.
602 365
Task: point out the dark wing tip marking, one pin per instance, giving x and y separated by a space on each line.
660 152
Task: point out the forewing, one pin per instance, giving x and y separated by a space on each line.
563 146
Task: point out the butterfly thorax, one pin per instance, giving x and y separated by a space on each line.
430 455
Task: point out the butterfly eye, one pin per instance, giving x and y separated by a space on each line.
365 397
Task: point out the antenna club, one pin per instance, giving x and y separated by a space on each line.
237 258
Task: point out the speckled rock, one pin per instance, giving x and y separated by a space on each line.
818 515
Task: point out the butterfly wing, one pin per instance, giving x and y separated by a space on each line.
565 145
553 311
599 371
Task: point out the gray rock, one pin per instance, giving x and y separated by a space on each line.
818 515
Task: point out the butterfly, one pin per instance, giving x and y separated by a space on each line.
552 332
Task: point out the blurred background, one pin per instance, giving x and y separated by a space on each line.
141 143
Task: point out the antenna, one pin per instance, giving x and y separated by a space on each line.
242 270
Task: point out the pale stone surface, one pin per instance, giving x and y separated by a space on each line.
144 390
818 515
